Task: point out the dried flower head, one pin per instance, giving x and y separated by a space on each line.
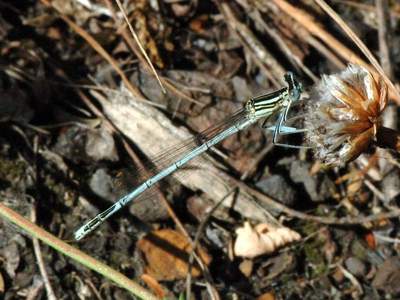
343 117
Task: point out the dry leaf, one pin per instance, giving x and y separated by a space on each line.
2 287
267 296
167 252
246 267
262 239
154 285
370 239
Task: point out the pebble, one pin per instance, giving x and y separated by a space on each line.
277 187
100 145
102 185
356 266
387 276
319 187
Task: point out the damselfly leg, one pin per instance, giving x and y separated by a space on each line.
280 128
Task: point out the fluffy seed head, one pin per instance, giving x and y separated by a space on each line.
343 115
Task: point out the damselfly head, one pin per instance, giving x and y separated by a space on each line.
295 87
343 116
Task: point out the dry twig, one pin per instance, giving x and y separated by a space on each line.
38 254
99 49
140 45
360 45
306 21
264 60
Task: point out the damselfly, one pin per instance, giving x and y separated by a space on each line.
255 109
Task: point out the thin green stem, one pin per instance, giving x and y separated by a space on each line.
37 232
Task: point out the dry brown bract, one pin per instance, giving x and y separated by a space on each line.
262 239
344 115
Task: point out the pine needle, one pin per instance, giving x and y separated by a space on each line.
329 11
121 8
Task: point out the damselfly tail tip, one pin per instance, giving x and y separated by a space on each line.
80 233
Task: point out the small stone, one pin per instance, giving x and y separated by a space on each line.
241 89
80 144
11 259
180 10
388 276
318 186
215 237
356 266
391 186
277 187
102 185
100 145
70 144
246 267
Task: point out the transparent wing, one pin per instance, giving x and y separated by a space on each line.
158 163
174 153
